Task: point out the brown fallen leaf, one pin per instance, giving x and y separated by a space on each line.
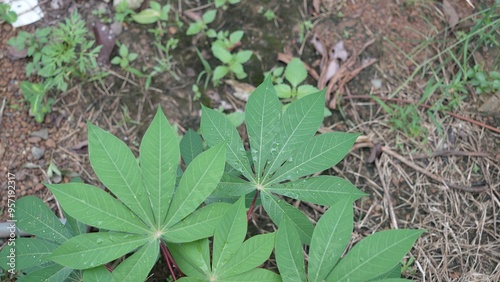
450 13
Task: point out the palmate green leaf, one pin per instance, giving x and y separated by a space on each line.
330 238
117 168
29 252
197 183
319 153
37 219
93 206
51 273
262 113
278 209
137 266
289 253
193 258
299 123
322 190
216 128
374 255
229 235
198 225
254 275
159 159
191 146
252 253
93 249
98 274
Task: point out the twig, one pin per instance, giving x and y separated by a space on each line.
1 111
387 197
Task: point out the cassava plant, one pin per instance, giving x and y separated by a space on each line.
284 151
147 209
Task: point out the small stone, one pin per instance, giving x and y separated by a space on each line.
37 152
50 143
34 139
42 133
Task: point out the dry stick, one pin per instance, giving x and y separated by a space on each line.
387 196
496 130
1 111
431 175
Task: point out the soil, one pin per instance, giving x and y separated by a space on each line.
461 238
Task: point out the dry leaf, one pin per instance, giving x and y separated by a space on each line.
450 13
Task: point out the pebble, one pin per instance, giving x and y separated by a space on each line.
50 143
42 133
37 152
34 139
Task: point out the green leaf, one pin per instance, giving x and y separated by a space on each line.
289 253
243 56
252 253
159 159
209 16
298 124
229 235
374 255
37 219
155 5
322 190
117 168
230 186
194 28
254 275
197 183
236 36
123 51
198 225
295 72
137 266
283 91
305 90
192 258
28 252
219 72
262 112
217 128
146 16
330 238
319 153
236 118
93 206
97 274
52 273
221 53
93 249
278 209
191 146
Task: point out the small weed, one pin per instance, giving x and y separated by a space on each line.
6 15
124 59
59 55
202 25
225 3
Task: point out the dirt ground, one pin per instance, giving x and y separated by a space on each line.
447 184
